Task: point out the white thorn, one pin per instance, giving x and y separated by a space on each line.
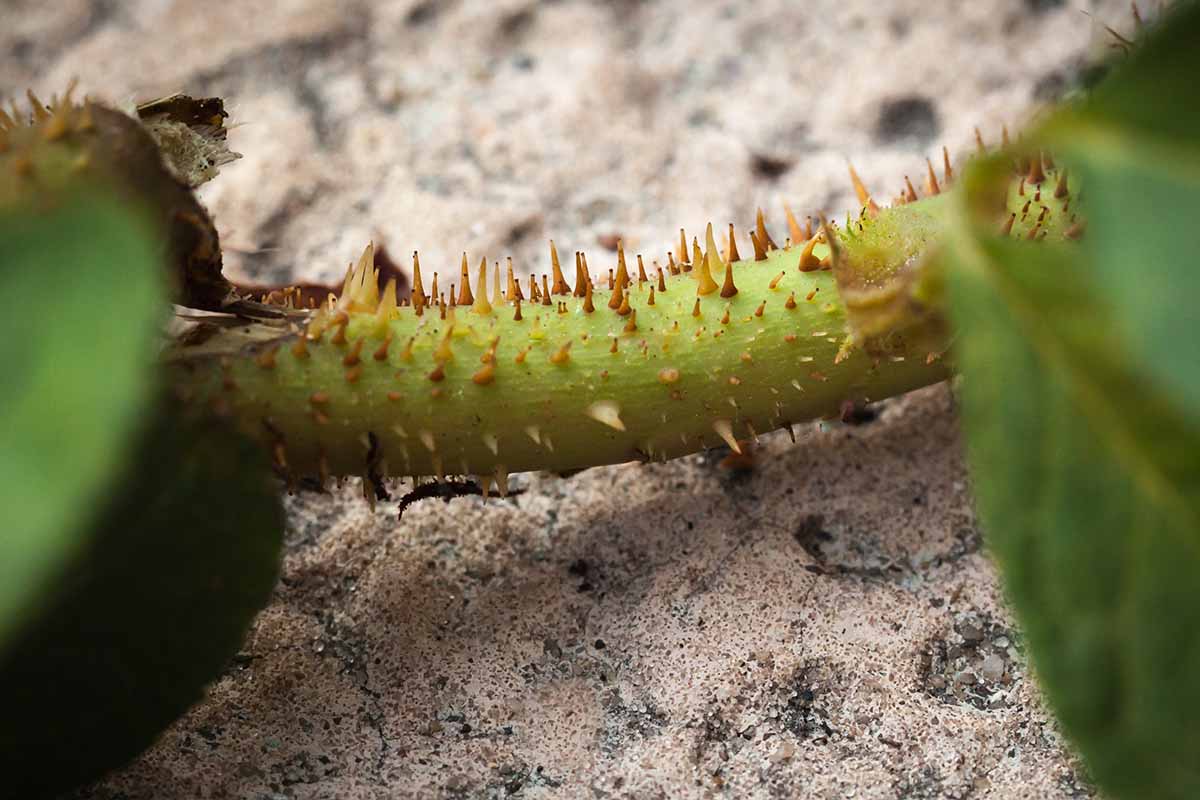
606 412
725 431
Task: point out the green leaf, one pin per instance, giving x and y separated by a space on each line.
1135 145
83 296
147 614
1087 477
136 545
1082 412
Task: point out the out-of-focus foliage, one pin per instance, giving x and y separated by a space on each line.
1082 412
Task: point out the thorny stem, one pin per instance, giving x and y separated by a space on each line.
487 375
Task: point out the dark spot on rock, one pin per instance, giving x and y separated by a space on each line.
523 230
582 569
1042 6
810 533
609 241
700 117
803 714
899 26
623 722
514 778
976 665
422 13
1049 88
923 785
517 23
907 119
599 644
769 167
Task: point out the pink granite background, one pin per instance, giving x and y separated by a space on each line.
824 627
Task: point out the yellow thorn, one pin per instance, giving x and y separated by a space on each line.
40 112
1061 190
860 189
354 355
948 171
809 262
760 226
725 430
485 375
480 304
560 283
381 352
514 288
683 248
1036 174
760 250
56 127
581 278
931 181
562 355
418 288
389 307
443 352
733 254
464 292
588 306
618 295
728 289
622 278
708 262
794 229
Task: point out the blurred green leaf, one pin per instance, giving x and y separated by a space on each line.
1135 142
83 295
148 613
137 545
1082 413
1087 479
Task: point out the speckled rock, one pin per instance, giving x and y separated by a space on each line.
826 626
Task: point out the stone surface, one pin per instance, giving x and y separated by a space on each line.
824 627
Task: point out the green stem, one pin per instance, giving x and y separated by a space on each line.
366 388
